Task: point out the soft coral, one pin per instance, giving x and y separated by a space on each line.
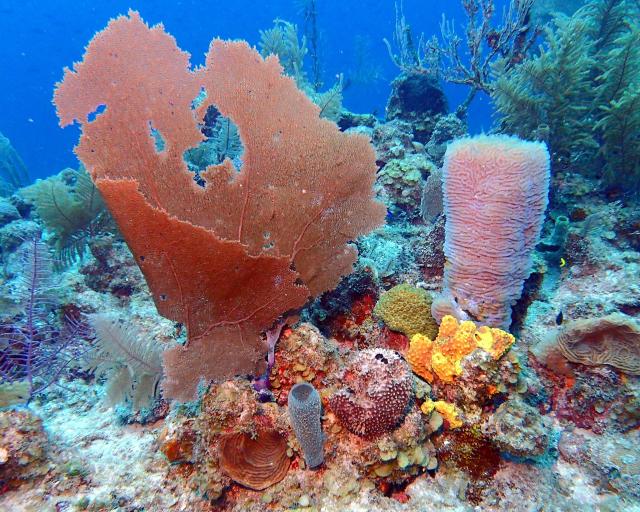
32 349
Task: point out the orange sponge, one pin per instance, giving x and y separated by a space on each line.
443 356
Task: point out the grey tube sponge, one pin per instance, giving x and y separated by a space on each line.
304 413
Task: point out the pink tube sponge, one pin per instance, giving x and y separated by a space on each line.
495 195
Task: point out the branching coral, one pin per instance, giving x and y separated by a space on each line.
511 41
71 207
220 258
580 93
442 357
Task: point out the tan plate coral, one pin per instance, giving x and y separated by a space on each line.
257 462
613 340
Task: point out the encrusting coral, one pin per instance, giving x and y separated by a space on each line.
218 258
407 309
442 356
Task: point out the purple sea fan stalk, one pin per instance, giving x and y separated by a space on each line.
32 350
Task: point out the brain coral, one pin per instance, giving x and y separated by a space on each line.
495 195
377 393
407 309
612 340
443 356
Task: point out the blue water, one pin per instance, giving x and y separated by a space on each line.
40 37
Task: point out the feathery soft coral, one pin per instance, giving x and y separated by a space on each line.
33 352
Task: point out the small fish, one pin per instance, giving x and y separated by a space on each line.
563 262
559 318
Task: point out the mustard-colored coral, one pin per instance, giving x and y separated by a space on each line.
447 410
443 356
407 309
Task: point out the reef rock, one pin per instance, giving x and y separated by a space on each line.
518 429
23 445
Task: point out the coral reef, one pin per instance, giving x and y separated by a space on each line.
354 400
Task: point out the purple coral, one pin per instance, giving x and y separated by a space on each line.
377 393
32 350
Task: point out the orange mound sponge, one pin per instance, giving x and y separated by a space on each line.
442 357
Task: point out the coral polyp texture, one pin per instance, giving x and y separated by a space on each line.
218 258
442 357
495 196
377 392
612 340
407 309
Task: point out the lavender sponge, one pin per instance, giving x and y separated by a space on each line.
304 414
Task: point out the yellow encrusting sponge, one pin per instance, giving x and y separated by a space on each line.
442 357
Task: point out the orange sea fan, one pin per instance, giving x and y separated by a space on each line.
228 258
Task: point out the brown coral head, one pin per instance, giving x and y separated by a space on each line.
613 340
377 393
255 462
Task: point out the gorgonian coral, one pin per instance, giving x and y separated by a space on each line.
225 259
